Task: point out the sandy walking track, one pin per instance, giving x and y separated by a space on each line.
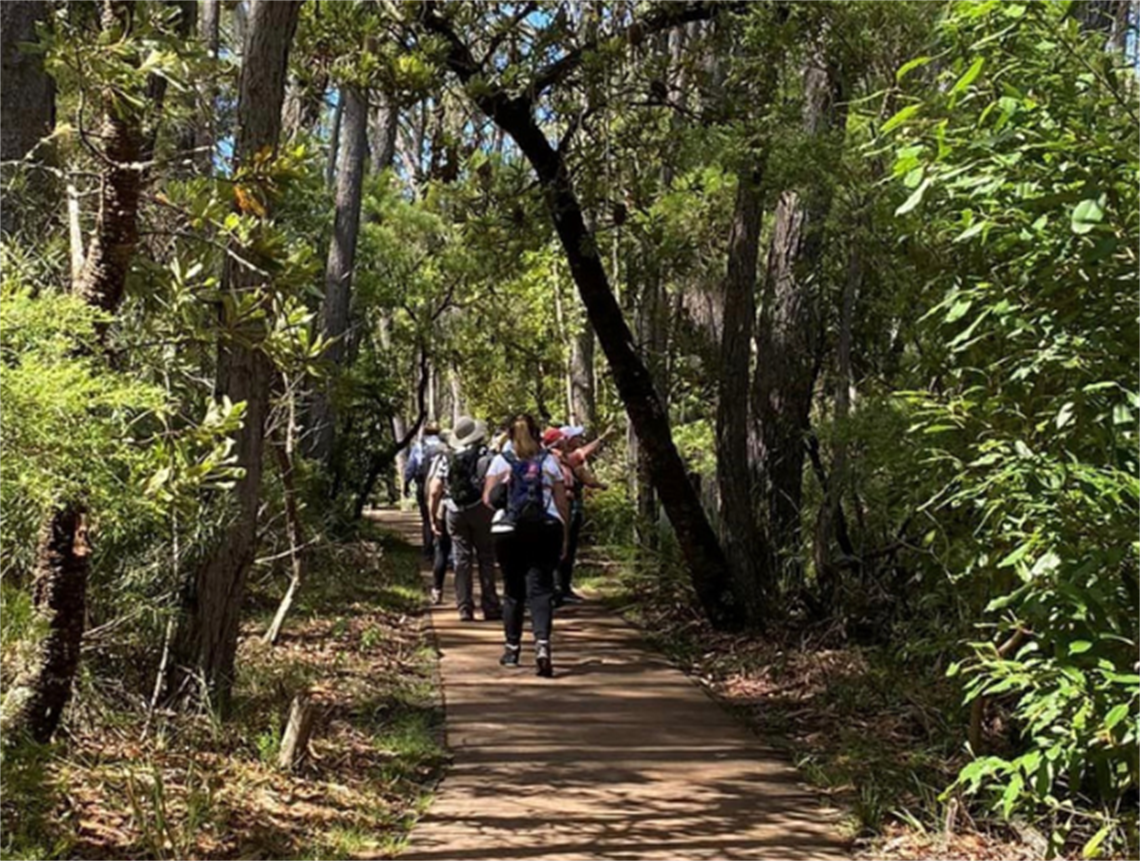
618 756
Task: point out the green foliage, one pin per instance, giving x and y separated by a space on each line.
1021 166
70 421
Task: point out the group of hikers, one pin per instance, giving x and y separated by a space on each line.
515 499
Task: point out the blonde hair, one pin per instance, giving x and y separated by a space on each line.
524 437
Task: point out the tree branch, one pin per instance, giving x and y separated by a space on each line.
664 16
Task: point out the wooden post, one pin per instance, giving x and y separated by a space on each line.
298 731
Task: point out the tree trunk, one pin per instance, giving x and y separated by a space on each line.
647 414
786 342
334 139
341 260
206 641
104 276
27 98
298 732
283 451
42 688
738 526
386 126
583 400
209 30
831 523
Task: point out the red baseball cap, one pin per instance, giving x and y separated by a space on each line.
551 435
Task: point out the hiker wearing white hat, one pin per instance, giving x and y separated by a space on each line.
456 502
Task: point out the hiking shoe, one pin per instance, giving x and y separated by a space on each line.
492 615
466 615
436 596
572 597
510 656
542 663
557 599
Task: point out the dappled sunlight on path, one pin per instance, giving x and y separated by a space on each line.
618 756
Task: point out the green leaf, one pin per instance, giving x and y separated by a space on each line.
1079 647
915 198
901 117
910 66
1115 715
969 77
1064 415
1087 214
1089 850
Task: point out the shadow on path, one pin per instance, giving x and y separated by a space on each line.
619 756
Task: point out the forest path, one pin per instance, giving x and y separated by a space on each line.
619 755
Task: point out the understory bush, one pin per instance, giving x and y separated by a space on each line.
1020 161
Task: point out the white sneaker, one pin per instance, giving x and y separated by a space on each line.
500 523
436 596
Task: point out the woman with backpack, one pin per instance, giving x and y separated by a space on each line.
530 537
455 500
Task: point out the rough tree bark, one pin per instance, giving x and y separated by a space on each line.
786 338
698 541
27 98
206 640
333 322
386 125
42 687
583 398
742 542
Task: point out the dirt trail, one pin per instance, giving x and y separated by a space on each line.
618 756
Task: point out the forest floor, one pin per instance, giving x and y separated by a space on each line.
881 739
618 756
194 787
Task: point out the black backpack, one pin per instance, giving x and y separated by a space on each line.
466 471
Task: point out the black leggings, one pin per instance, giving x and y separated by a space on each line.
527 558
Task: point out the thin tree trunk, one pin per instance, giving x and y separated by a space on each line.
334 140
206 642
583 399
386 126
831 523
341 261
295 527
209 31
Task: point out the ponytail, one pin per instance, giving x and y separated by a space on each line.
524 437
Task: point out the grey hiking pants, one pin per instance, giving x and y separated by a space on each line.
470 530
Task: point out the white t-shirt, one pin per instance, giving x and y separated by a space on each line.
551 473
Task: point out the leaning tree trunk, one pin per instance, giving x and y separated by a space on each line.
27 98
341 260
786 340
515 115
42 687
206 641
